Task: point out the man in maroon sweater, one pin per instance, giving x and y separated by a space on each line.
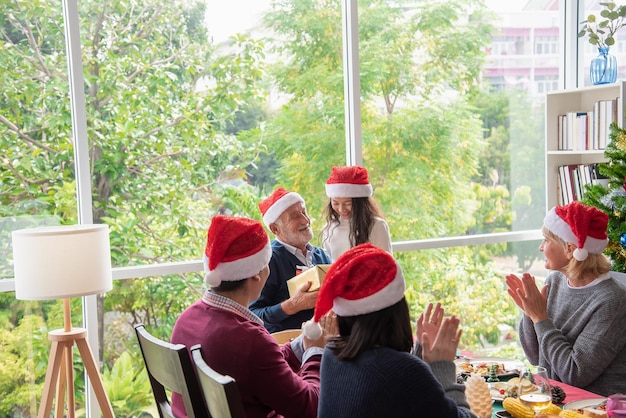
273 380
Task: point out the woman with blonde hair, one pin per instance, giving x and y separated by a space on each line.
574 326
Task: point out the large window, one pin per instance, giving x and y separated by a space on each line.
590 51
194 109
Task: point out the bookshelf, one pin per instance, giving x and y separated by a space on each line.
575 101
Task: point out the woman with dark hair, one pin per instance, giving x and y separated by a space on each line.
352 215
368 370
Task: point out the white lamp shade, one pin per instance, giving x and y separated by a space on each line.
61 262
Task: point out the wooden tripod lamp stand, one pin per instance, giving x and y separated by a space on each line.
62 262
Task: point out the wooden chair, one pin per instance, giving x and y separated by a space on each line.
170 368
287 335
220 392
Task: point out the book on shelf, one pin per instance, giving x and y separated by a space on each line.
576 183
596 126
566 184
585 174
608 110
596 177
572 179
587 129
562 132
562 187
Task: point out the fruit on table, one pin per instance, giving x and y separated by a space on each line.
551 410
571 414
516 408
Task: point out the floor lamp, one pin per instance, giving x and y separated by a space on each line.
62 262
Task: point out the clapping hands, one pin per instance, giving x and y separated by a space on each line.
438 336
528 297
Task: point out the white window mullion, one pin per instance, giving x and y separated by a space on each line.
352 83
81 166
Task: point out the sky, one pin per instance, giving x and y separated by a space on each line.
227 17
501 6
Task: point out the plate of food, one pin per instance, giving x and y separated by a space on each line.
501 390
498 391
592 407
481 365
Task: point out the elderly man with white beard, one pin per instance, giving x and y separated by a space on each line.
284 213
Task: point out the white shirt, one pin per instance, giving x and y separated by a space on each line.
336 237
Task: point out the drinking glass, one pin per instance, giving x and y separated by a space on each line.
616 406
534 389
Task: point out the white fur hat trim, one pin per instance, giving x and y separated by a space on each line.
239 269
281 205
384 298
349 190
560 228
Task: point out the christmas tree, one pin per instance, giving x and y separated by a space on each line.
612 199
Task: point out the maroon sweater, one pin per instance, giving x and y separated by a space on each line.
269 376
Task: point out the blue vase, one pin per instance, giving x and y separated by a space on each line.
603 67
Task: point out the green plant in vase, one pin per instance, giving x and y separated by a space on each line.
601 33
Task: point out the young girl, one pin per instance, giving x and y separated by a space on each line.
352 214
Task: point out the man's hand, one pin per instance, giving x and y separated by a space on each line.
301 300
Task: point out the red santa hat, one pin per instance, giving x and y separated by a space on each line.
364 279
236 248
275 204
579 224
350 181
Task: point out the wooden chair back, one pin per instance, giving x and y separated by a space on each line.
170 368
287 335
220 392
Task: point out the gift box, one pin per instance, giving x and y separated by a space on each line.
315 275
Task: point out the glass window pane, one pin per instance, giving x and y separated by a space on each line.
156 302
590 51
37 170
453 114
490 320
187 120
37 188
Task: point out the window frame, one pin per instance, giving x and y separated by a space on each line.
571 76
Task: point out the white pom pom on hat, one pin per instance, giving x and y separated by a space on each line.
348 181
236 248
362 280
579 224
312 330
581 254
275 204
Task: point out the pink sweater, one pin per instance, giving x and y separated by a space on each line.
269 376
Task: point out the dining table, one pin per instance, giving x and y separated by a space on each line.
572 394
